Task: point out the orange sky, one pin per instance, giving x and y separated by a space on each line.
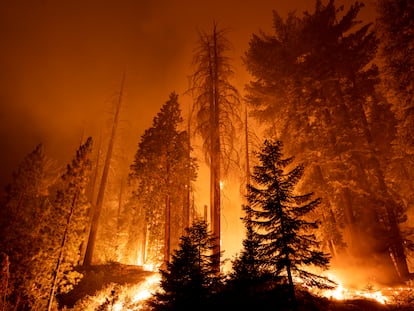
61 63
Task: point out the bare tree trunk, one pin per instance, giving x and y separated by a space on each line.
397 247
205 213
99 202
167 235
187 203
144 243
118 220
215 155
349 215
247 155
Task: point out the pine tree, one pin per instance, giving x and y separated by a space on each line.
22 228
189 279
68 222
395 28
161 172
396 36
277 215
315 87
246 272
216 108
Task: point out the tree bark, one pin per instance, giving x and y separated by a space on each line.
99 202
167 235
215 163
61 253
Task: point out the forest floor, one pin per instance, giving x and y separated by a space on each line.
96 278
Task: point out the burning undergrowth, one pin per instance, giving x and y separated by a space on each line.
115 297
133 295
106 284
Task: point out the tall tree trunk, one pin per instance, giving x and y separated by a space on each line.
397 243
143 244
247 155
61 253
397 246
167 228
187 200
215 154
118 220
349 216
92 199
291 284
99 202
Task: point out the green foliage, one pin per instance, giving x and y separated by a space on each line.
189 279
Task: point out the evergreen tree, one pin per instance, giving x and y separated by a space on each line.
395 28
189 279
216 108
68 222
315 87
396 37
23 218
277 215
246 267
161 172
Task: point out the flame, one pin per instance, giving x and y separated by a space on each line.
138 294
342 293
147 288
150 267
128 297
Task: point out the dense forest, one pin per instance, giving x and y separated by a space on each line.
320 140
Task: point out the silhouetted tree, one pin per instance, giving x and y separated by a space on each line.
216 108
161 172
315 87
189 279
395 33
277 215
246 266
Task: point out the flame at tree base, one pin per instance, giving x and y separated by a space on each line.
138 294
127 297
386 295
133 297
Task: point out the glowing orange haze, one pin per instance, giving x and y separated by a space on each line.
62 65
